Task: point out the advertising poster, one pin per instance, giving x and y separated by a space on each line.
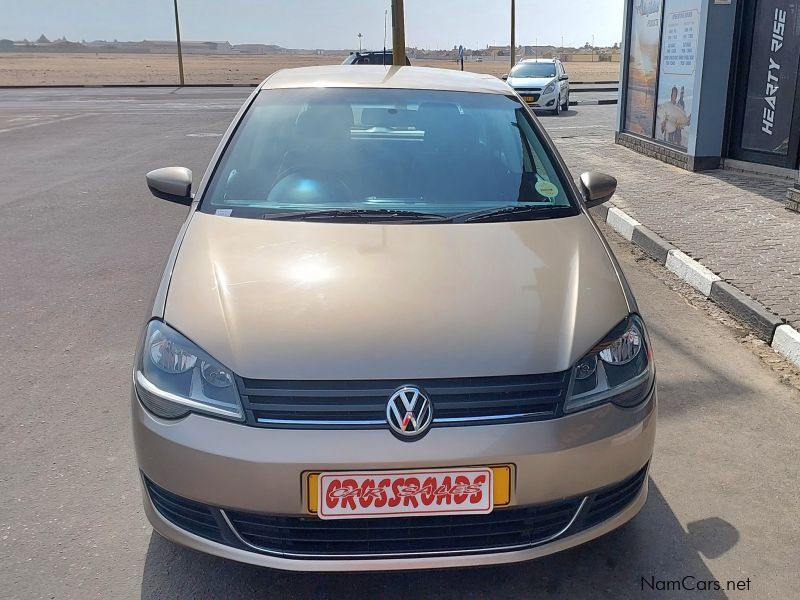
772 80
645 33
678 64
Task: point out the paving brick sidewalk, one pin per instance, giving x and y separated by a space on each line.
732 223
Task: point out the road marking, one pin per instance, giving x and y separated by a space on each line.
70 118
32 118
203 135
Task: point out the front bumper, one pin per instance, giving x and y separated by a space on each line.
253 470
540 101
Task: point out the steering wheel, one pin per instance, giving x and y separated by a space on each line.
309 185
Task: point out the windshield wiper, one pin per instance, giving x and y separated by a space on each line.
512 212
406 216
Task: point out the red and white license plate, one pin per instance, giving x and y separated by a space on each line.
351 495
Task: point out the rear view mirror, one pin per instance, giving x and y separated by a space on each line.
597 188
171 183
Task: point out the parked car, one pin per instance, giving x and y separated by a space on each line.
371 58
542 83
389 336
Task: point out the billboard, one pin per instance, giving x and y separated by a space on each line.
772 81
640 97
678 64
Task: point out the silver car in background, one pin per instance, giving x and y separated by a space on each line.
542 83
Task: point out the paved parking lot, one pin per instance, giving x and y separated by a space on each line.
83 243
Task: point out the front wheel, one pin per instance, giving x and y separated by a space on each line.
565 106
557 110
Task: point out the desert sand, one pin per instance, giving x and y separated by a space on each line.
142 69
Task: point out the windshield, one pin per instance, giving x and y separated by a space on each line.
534 70
403 153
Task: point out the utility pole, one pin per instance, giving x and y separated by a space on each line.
513 34
178 37
398 33
359 36
385 16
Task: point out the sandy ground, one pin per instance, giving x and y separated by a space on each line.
71 69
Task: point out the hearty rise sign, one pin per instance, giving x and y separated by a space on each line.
773 85
772 82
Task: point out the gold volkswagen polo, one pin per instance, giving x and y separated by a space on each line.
389 336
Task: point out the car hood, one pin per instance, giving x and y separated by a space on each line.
304 300
530 82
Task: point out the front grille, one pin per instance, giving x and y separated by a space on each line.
534 93
362 404
505 529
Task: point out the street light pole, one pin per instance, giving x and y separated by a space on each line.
178 38
359 36
398 33
513 34
385 15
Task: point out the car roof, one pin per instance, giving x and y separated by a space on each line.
379 76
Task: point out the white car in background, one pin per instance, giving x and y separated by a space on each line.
542 83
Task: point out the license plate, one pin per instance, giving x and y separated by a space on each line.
368 494
529 98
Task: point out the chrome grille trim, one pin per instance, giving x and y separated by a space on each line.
361 404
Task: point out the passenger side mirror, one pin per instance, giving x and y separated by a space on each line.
597 188
505 77
171 183
563 77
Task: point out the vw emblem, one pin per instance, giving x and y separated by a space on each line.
409 412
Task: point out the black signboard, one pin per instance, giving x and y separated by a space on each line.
772 80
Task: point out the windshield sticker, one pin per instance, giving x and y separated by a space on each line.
224 212
546 189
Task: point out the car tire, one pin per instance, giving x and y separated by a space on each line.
565 106
557 110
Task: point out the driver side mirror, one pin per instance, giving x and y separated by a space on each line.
171 183
505 77
597 188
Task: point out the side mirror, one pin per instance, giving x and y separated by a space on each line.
563 77
171 183
505 77
597 188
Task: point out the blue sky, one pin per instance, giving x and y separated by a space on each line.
316 23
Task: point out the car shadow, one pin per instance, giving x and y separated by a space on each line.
639 559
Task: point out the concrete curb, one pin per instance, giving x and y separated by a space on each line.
787 343
784 339
593 102
745 309
691 271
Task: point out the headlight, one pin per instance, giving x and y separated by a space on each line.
619 369
176 377
551 87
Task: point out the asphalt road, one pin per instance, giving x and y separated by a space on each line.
82 245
